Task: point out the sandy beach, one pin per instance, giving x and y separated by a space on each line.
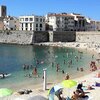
88 79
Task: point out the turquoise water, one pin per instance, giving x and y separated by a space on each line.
13 57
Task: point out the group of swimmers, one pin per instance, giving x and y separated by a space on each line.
27 67
80 69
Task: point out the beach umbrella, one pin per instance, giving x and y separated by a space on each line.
37 97
68 83
55 89
5 92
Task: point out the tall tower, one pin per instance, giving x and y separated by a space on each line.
3 12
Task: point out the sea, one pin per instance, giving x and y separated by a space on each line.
20 61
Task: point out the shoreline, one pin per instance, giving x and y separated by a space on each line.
81 46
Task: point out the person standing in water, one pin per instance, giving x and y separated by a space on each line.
35 71
67 76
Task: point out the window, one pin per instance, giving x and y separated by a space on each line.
36 29
26 24
40 19
21 19
43 20
30 24
26 29
30 28
22 24
36 19
26 19
40 25
36 25
31 19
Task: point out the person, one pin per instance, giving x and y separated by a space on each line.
67 77
52 64
75 96
59 94
77 69
29 75
89 87
78 95
81 69
3 75
98 75
35 71
63 72
79 87
57 67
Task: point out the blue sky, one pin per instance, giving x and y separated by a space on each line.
89 8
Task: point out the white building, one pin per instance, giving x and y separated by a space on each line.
60 22
3 12
80 22
11 23
36 23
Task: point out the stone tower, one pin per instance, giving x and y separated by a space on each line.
3 10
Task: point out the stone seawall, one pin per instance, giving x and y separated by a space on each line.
16 37
64 36
88 37
30 37
40 37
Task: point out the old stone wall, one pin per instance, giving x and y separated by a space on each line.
88 37
40 37
16 37
64 36
30 37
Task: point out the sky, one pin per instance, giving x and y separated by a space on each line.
88 8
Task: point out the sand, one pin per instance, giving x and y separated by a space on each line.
86 79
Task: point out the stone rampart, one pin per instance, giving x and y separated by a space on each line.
30 37
88 37
16 37
40 36
64 36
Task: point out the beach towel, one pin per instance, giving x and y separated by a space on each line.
97 84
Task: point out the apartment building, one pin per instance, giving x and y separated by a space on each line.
35 23
60 22
11 23
80 22
92 25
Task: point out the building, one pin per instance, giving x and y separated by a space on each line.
92 25
97 23
80 22
11 23
35 23
1 25
3 12
60 22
